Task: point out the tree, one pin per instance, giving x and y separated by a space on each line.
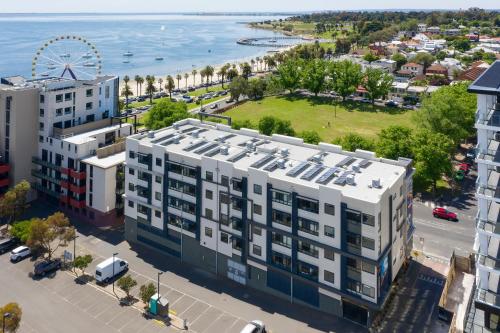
194 72
164 113
432 153
400 60
239 124
170 85
126 92
160 83
223 73
342 46
441 55
232 73
126 283
13 320
353 141
346 77
394 142
370 57
256 88
82 262
314 76
271 125
377 83
462 44
290 74
311 137
21 230
238 87
266 125
51 233
186 77
450 111
138 82
146 291
425 59
14 202
178 77
246 70
150 87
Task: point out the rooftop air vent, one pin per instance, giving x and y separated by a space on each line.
281 163
284 152
224 150
356 168
176 126
177 139
376 183
350 179
195 134
151 135
250 145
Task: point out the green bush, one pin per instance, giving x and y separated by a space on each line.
21 230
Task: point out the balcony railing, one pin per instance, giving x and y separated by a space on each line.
491 192
65 184
39 187
491 119
41 175
77 203
488 297
39 161
77 188
488 262
77 174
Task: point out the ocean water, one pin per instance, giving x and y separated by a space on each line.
184 41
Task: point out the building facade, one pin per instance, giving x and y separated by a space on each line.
487 242
312 224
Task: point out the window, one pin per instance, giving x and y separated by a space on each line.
308 249
257 209
281 240
307 270
59 98
158 196
208 232
353 216
59 112
131 154
368 291
131 203
308 205
329 276
224 198
368 243
237 204
256 230
257 250
40 125
281 217
158 214
90 200
67 96
329 209
158 179
224 180
88 106
42 99
237 185
131 187
67 110
209 176
131 171
106 92
367 267
282 197
209 214
42 112
224 237
209 194
282 260
329 231
329 254
257 189
306 225
369 220
90 92
158 161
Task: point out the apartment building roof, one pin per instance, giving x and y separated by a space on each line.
106 162
360 175
489 82
20 82
89 136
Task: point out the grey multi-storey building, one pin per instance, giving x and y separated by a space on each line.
313 224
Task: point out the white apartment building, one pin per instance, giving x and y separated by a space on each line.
311 223
487 244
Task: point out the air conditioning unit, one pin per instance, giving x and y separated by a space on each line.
376 183
224 150
281 163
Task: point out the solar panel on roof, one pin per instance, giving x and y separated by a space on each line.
170 141
190 129
195 145
213 152
364 163
224 138
346 161
206 148
340 180
272 166
325 178
315 170
262 161
163 138
237 157
298 169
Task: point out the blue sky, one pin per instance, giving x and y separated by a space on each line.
67 6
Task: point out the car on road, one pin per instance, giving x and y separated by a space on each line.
6 244
214 106
20 253
391 104
255 326
229 101
443 213
46 266
365 100
109 269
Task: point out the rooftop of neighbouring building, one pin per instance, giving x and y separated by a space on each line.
89 136
489 82
359 175
49 83
106 162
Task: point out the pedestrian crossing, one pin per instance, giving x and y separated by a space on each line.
432 205
431 279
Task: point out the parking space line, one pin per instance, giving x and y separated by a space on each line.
201 314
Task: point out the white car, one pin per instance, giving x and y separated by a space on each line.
20 253
255 326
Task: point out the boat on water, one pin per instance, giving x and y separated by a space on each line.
159 58
87 55
89 64
128 54
51 66
126 61
273 41
65 55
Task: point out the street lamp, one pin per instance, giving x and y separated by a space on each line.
158 288
114 254
5 316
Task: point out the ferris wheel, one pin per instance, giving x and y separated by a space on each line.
67 56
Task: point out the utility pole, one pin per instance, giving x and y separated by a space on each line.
114 254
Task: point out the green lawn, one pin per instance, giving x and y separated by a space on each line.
315 113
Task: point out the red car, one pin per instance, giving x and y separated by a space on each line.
443 213
464 167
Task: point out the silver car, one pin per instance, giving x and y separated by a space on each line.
20 253
255 326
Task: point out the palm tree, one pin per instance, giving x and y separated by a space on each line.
150 87
246 70
209 72
160 82
202 74
258 62
179 78
223 72
126 91
170 85
252 62
140 80
194 72
137 79
186 77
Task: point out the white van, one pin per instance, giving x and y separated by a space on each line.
104 271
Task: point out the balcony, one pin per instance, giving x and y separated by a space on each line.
41 175
65 184
48 191
77 203
64 171
39 161
79 189
489 263
4 182
77 174
4 168
490 189
492 154
488 297
492 119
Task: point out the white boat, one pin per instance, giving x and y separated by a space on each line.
128 54
89 64
51 67
273 41
87 55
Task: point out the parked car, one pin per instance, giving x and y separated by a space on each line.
465 167
443 213
20 253
6 244
46 266
214 106
471 153
229 101
391 104
104 272
365 100
255 326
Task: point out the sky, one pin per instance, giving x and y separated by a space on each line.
134 6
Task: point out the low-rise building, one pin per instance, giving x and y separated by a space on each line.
309 223
437 69
410 70
433 30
